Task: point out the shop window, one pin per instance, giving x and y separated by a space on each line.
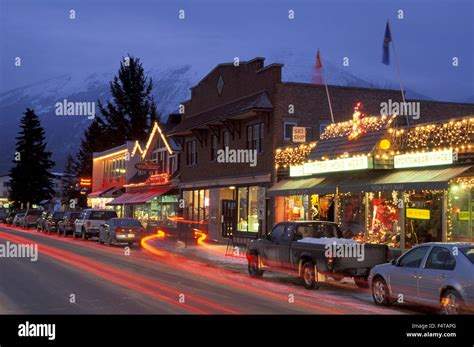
423 222
383 219
214 147
461 213
196 205
255 137
353 214
191 153
440 259
250 201
288 130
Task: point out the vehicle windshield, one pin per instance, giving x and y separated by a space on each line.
127 223
469 253
317 230
102 215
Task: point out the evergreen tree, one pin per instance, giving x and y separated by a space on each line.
132 111
31 181
94 141
69 181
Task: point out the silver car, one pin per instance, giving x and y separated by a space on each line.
437 274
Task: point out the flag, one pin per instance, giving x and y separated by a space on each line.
386 41
318 70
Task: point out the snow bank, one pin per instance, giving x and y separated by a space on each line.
327 240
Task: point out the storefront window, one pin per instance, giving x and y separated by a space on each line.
423 217
196 205
251 205
141 212
383 219
353 214
461 213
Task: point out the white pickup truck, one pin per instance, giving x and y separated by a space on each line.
89 222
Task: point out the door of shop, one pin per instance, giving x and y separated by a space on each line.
229 218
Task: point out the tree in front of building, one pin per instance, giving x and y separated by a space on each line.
131 112
94 141
31 181
71 196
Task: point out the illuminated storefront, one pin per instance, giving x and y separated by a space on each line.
394 186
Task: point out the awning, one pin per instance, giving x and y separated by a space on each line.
401 180
105 193
314 185
139 196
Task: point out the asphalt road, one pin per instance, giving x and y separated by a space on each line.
82 277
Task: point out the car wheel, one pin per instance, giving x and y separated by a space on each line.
309 276
254 266
361 282
451 303
380 292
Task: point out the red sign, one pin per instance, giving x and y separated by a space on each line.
85 182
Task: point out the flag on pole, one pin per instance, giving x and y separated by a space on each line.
386 41
318 70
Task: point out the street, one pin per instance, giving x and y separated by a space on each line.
73 276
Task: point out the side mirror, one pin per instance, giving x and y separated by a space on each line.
394 262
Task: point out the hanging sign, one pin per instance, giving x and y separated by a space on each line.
299 134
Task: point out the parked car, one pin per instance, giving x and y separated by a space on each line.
66 225
18 218
121 230
3 215
89 222
437 274
30 218
301 247
51 223
41 220
11 215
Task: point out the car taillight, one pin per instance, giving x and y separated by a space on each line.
120 230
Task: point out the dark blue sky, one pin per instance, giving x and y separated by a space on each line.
51 44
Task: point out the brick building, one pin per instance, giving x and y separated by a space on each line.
249 107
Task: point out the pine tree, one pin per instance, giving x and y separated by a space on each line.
94 141
131 113
69 181
31 181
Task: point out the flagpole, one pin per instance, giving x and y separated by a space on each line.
329 100
325 85
399 75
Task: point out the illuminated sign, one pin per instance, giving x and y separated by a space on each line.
417 213
85 182
334 165
299 134
464 215
147 166
423 159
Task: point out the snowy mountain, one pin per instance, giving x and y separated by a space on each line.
171 86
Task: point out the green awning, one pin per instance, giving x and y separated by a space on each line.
417 179
314 185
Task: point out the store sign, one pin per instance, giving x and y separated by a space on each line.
464 216
147 166
85 182
423 159
417 213
334 165
299 134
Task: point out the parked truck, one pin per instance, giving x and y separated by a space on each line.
314 250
